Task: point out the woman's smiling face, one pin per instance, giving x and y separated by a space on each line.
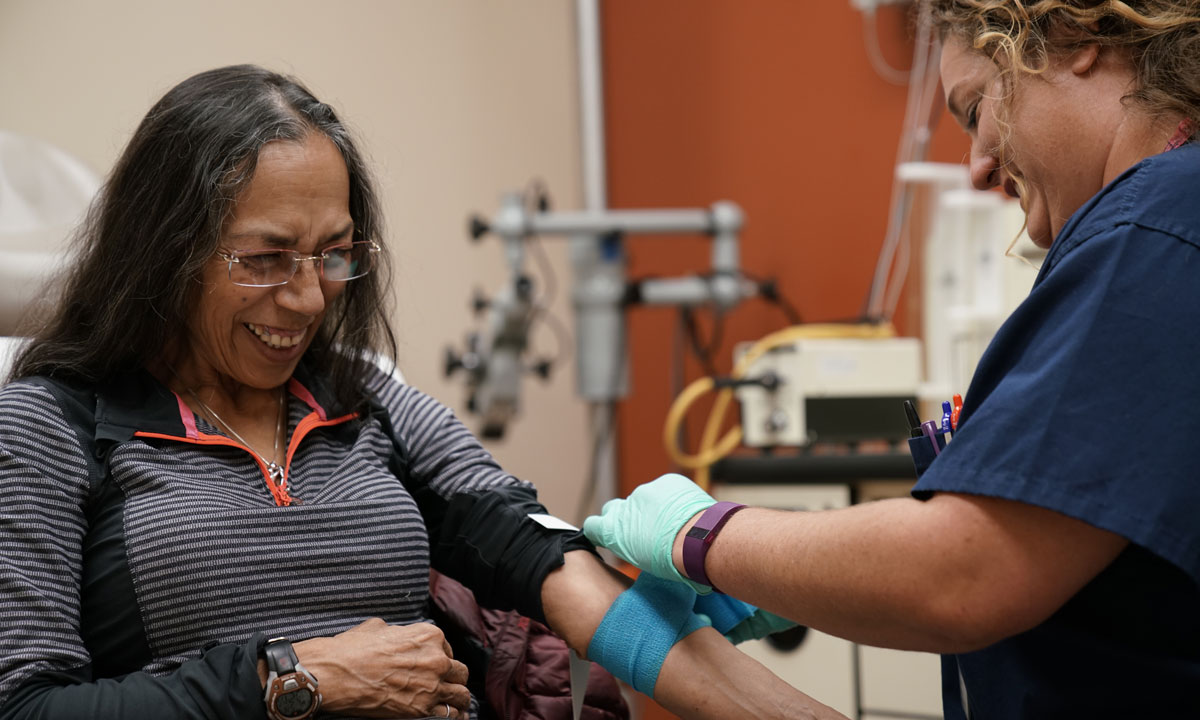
298 200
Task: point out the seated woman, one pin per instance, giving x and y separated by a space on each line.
197 458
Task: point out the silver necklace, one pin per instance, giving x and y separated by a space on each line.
273 468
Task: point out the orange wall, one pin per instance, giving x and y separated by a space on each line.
772 104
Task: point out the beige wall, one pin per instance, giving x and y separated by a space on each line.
455 101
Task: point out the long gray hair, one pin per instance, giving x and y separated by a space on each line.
139 253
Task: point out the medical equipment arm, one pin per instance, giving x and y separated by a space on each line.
493 359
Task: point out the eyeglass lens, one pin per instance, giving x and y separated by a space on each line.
264 268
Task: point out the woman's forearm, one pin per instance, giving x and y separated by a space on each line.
576 596
704 676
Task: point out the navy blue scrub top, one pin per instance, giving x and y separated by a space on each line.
1087 402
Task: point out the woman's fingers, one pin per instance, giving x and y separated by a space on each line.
368 625
457 695
457 673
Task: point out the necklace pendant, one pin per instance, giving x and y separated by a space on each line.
276 473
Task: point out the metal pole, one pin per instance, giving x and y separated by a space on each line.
591 111
591 104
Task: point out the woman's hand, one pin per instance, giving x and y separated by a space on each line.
387 671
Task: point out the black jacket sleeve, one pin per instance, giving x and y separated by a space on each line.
488 541
222 684
481 532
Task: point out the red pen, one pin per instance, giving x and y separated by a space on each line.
954 411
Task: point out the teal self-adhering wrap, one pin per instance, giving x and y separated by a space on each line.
641 627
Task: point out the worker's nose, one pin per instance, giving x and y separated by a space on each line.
985 169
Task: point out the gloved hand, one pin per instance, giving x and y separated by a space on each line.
759 625
641 529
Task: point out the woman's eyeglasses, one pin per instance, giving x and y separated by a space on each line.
268 268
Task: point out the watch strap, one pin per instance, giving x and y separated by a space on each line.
280 656
700 537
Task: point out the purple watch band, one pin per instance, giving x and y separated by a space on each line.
701 536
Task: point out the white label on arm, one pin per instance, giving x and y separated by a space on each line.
552 523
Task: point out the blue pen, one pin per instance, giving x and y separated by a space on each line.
945 416
930 428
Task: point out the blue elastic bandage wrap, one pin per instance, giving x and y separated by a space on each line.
641 627
724 612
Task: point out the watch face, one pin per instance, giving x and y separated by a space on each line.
294 703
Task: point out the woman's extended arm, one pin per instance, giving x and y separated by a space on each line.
482 534
704 675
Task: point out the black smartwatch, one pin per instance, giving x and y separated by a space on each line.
291 690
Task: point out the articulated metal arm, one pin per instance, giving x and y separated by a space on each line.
601 293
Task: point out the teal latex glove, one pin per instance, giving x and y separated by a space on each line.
724 612
641 529
758 625
739 621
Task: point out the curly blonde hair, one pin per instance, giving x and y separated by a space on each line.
1160 37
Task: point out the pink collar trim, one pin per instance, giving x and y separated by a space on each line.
188 418
302 392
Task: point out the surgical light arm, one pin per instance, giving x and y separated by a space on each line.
601 293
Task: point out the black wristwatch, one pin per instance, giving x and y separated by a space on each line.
291 690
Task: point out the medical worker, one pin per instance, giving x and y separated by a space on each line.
1051 552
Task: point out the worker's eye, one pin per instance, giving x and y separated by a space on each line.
972 117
